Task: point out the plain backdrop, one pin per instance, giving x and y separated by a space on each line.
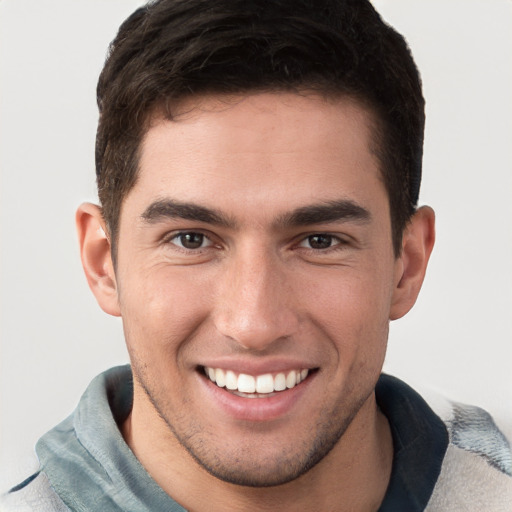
54 337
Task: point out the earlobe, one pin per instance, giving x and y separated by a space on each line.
96 257
411 265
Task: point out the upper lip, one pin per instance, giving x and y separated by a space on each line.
257 367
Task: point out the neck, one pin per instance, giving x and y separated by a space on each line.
353 477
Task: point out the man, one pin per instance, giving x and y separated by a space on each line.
258 169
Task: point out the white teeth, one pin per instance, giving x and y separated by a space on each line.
231 380
260 385
291 380
280 382
220 378
246 383
265 383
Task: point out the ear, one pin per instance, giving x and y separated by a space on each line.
95 251
411 265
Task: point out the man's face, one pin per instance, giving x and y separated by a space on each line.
255 247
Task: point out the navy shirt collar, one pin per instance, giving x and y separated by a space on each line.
420 440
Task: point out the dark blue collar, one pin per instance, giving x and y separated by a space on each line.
420 440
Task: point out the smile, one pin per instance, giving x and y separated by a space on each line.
258 386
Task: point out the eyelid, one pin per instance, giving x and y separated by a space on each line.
340 240
169 238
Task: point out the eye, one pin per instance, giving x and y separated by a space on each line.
320 241
191 240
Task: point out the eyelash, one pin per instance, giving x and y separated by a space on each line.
336 242
179 235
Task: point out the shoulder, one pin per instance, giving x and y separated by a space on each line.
476 473
34 494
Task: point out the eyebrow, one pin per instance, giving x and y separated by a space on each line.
171 209
331 211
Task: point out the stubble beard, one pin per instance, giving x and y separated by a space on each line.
244 466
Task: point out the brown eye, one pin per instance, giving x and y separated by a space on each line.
191 240
320 241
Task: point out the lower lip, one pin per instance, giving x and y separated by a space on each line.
256 409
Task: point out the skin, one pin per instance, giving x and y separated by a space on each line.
259 294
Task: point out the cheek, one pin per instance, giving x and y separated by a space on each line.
160 310
353 310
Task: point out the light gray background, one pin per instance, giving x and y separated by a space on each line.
54 338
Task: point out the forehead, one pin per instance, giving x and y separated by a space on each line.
278 150
290 115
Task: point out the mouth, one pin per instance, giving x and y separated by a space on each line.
256 386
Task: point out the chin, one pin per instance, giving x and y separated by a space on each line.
266 460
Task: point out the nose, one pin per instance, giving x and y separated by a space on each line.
254 306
